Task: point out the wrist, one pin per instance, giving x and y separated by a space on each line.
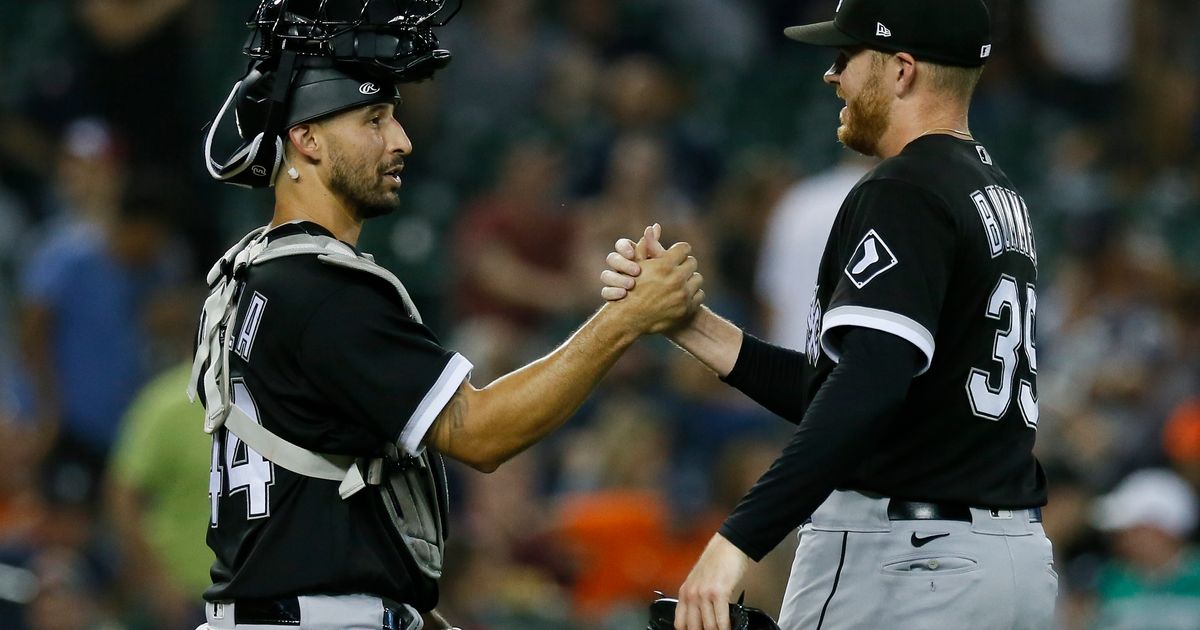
616 326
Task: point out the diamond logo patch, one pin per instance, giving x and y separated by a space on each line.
871 258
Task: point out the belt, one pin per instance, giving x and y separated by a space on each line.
899 510
286 612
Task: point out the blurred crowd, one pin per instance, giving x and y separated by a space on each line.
559 127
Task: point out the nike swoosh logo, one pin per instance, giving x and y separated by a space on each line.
921 542
870 257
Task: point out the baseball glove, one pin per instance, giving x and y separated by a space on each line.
662 616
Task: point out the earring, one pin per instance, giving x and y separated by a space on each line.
293 173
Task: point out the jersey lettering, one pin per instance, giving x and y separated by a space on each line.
812 339
1006 221
254 313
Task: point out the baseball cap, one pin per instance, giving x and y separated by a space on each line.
949 32
1155 497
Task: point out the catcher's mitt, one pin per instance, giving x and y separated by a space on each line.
662 616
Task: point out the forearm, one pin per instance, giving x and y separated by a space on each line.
772 376
486 427
712 339
838 430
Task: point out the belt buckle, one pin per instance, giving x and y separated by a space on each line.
1003 515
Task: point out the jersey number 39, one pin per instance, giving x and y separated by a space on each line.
244 469
991 402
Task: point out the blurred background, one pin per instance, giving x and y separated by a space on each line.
560 127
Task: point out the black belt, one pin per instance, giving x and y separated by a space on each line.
899 510
285 611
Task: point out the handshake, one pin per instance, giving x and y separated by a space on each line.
657 288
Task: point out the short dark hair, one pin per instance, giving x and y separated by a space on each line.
957 81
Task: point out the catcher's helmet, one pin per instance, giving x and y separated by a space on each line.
314 58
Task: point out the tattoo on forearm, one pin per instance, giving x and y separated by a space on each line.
451 421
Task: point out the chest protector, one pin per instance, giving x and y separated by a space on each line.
412 489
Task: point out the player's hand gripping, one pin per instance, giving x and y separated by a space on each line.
705 595
628 260
668 287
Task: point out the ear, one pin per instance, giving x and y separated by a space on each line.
304 141
905 68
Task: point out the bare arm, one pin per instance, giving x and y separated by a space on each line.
712 339
485 427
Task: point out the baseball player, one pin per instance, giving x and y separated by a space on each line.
329 402
911 469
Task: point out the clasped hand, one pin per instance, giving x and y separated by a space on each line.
668 285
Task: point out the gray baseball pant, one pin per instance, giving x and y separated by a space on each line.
856 569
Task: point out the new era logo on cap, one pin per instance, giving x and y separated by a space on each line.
985 51
881 30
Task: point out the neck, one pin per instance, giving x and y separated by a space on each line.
918 117
300 202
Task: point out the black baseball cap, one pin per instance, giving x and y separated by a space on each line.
949 32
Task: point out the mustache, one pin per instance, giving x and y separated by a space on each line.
397 165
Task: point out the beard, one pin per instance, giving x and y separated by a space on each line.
868 117
361 185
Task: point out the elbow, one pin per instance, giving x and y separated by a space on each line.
483 464
484 460
486 467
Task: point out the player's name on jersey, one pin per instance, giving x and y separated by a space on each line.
1005 221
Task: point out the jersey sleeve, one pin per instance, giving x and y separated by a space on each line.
896 249
382 367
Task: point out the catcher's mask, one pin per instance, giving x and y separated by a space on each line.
662 615
314 58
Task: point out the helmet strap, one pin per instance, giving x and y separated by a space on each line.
284 76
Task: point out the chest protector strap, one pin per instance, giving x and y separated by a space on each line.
413 489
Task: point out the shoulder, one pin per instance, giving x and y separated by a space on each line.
306 278
913 169
899 181
320 296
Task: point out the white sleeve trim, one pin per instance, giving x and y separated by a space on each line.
435 400
886 321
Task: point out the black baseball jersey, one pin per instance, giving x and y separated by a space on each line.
329 359
935 246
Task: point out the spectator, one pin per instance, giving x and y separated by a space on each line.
1153 582
157 476
81 308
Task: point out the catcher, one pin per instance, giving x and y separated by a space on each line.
329 402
